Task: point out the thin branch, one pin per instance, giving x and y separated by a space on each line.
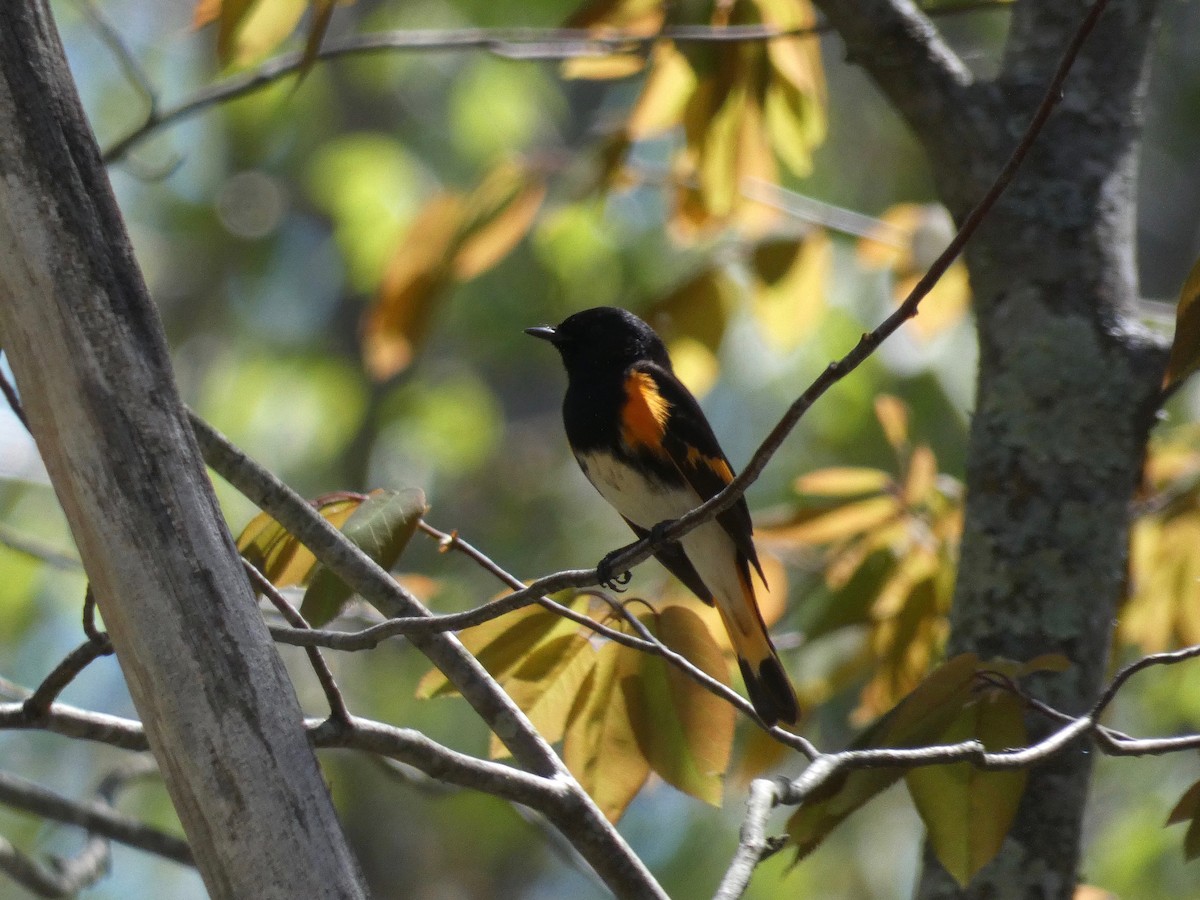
128 62
97 816
338 710
14 402
38 704
517 44
51 556
585 825
60 877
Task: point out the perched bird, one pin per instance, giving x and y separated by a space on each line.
642 441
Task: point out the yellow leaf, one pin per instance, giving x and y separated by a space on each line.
660 105
839 522
843 481
944 306
892 413
641 17
967 811
506 643
267 546
922 476
547 684
788 308
599 745
1185 349
694 364
917 720
698 308
600 68
250 31
206 12
889 245
684 731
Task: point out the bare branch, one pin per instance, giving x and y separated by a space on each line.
513 43
64 673
61 877
586 827
51 556
333 694
97 816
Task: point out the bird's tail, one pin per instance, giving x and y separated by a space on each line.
767 682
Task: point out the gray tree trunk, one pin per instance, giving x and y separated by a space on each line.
1067 385
90 359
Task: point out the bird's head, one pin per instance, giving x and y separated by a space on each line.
603 338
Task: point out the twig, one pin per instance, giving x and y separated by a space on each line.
518 44
14 540
333 694
14 402
38 704
60 877
97 816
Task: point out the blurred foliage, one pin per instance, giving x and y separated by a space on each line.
344 266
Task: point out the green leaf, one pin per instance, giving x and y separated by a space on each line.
271 549
381 527
918 720
1188 810
685 732
968 811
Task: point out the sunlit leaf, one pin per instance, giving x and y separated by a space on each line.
967 811
839 522
843 481
599 745
893 417
397 322
684 731
631 16
496 216
599 68
694 364
921 477
660 105
506 643
788 305
1185 349
381 527
547 683
271 549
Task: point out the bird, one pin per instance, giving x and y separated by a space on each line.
643 442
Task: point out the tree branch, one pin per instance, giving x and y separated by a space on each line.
592 834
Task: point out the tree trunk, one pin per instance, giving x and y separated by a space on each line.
1067 385
90 359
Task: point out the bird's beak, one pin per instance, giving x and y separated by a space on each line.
545 332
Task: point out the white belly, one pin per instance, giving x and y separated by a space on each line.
709 549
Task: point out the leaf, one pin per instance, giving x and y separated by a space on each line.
892 413
599 745
600 68
919 719
1185 349
843 481
698 308
685 732
546 684
271 549
788 307
497 215
664 95
506 643
968 811
397 321
1188 810
381 527
322 12
921 478
838 523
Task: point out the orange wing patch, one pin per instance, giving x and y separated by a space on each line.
644 415
718 466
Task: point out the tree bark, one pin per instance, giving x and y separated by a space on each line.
1067 385
90 359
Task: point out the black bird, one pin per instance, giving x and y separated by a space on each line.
643 442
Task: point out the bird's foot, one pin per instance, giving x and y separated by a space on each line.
658 534
613 581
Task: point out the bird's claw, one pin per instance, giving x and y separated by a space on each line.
610 580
